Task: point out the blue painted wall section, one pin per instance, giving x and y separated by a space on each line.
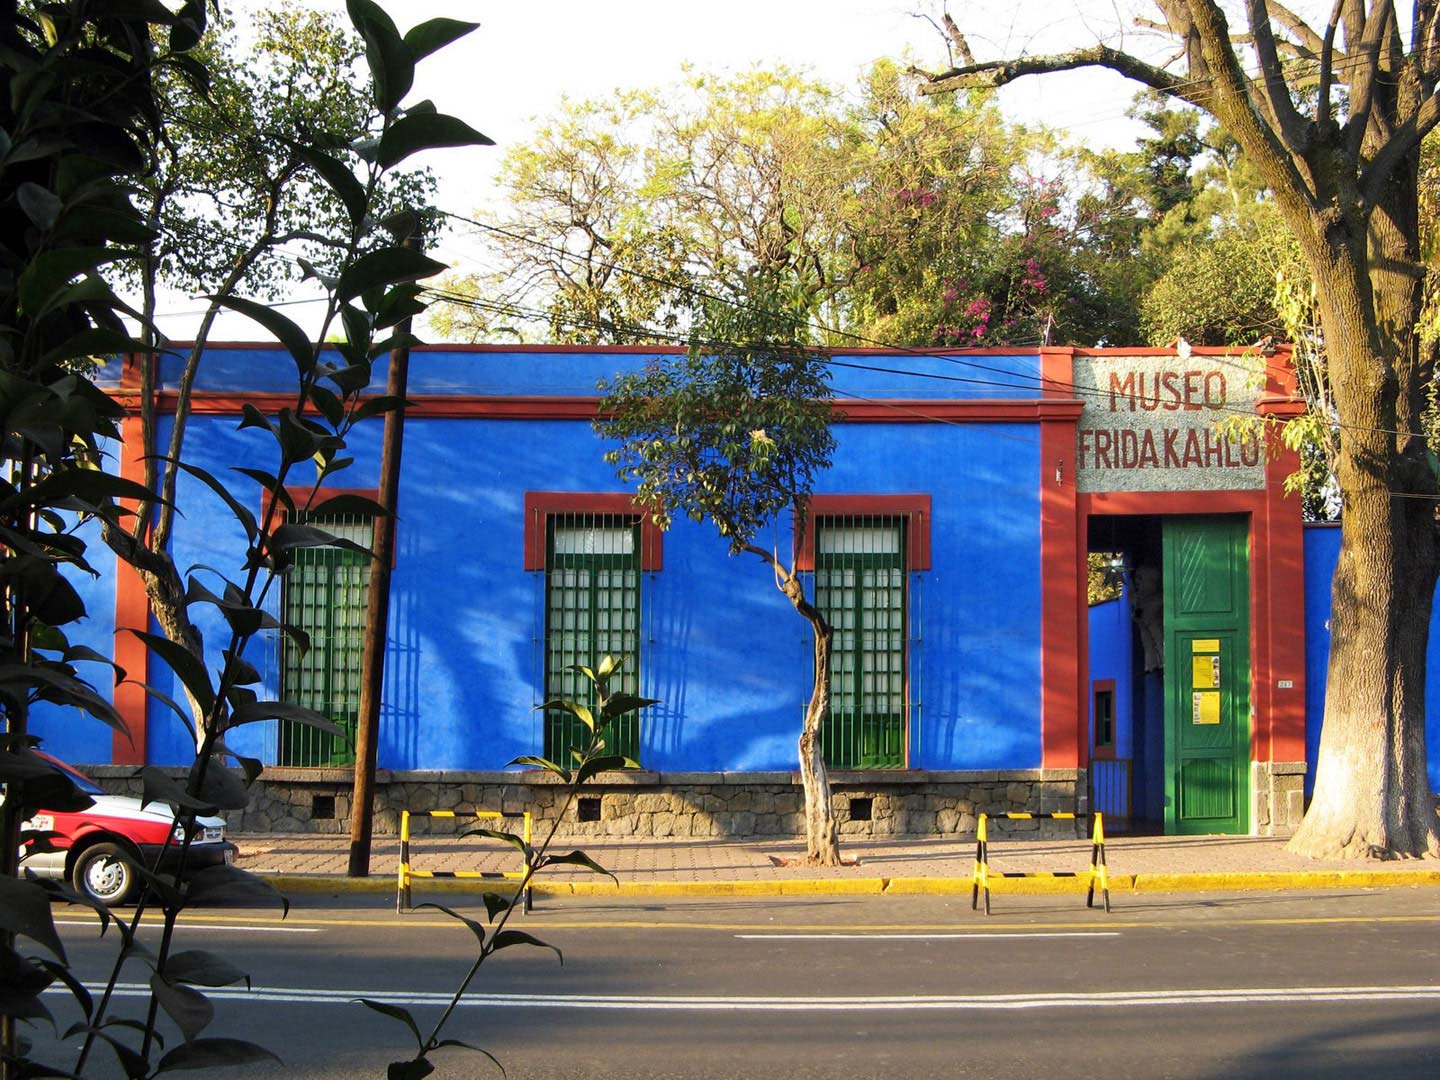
70 734
1112 650
1322 552
724 651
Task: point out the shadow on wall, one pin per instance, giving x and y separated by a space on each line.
980 636
1322 550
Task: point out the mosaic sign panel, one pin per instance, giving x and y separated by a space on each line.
1150 424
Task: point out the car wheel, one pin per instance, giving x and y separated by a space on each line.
103 874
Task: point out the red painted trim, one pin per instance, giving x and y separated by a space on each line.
1281 353
930 410
1057 372
916 508
1277 594
637 350
1064 667
1281 406
1171 502
299 493
585 407
541 505
132 612
1284 618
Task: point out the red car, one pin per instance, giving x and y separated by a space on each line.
89 843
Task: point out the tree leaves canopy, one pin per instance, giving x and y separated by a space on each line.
735 430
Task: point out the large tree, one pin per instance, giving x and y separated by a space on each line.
1331 115
904 220
735 433
249 222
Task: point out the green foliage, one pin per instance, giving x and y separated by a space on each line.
1221 289
901 220
1102 577
85 123
491 936
736 430
294 88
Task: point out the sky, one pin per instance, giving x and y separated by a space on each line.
526 57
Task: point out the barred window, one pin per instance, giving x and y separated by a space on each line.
860 586
592 609
324 594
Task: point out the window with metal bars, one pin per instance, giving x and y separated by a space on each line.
592 610
324 594
860 586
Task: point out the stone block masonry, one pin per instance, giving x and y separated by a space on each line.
657 805
1277 797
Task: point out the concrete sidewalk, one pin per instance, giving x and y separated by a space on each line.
678 867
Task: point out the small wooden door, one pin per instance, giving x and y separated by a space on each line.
1207 675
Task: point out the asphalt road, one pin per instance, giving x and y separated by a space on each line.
1328 985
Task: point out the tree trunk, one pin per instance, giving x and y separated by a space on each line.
1372 794
822 839
822 836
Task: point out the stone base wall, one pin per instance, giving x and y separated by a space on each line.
659 805
1277 797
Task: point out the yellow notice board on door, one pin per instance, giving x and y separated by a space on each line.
1205 707
1205 672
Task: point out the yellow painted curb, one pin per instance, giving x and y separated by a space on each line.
1285 879
773 887
384 884
1029 886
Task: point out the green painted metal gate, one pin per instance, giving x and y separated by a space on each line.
325 595
860 588
592 609
1207 675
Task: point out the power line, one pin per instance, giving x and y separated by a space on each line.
1026 381
1016 380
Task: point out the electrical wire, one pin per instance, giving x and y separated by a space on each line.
1023 380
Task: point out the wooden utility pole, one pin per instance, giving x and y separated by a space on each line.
377 608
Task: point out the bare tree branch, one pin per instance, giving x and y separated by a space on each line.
1425 38
997 73
1297 26
1325 108
962 47
1402 142
1364 57
1291 127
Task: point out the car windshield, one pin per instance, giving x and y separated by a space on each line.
84 783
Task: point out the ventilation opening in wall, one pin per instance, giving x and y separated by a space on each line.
587 809
861 809
322 807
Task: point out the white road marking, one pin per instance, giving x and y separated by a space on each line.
978 935
1114 999
241 929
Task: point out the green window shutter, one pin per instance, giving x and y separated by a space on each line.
592 609
324 594
860 579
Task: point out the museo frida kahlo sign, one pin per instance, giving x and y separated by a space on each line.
1152 423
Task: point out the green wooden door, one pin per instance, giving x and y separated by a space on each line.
1207 675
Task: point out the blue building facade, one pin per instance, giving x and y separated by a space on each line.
996 468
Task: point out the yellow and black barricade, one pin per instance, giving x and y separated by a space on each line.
406 875
1098 872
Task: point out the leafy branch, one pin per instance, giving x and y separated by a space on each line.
588 760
